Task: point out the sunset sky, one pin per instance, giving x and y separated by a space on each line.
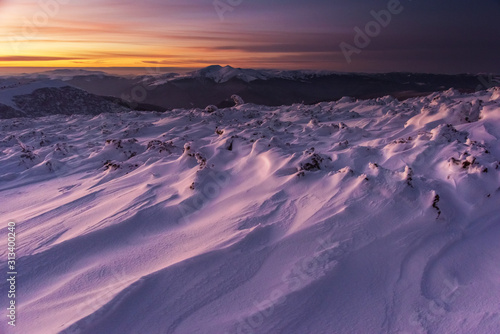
448 36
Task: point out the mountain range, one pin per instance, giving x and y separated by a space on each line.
64 90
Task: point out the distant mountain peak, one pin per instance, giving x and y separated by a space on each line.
221 74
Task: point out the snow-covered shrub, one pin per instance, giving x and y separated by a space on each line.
314 161
160 146
211 108
447 133
237 100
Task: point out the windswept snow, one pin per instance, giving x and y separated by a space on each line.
356 216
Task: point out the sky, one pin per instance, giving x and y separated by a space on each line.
435 36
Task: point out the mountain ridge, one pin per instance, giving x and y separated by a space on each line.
214 85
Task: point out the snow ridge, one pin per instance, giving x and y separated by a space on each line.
355 216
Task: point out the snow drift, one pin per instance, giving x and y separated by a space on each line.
356 216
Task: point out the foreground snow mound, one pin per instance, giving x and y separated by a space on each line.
368 216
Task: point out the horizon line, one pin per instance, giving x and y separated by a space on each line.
143 69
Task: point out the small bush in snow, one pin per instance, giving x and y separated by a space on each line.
237 100
211 108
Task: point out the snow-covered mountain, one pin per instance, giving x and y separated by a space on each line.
64 74
42 97
355 216
12 87
214 85
216 73
221 74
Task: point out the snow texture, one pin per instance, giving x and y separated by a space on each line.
356 216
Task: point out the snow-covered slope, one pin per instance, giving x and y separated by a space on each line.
368 216
42 97
217 73
11 87
221 74
65 74
215 84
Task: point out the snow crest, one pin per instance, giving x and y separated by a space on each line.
356 216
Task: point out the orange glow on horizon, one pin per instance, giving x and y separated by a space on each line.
109 33
283 34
